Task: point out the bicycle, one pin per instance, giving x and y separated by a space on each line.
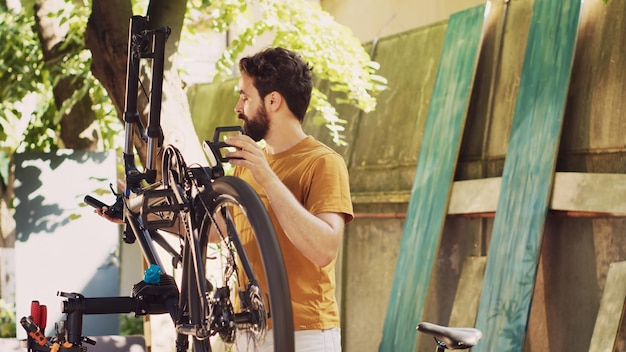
232 309
450 338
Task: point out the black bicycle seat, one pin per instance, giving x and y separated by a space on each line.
451 338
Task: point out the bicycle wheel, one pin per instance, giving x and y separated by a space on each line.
249 304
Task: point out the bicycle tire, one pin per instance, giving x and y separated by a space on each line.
225 196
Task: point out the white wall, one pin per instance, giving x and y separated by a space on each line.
370 19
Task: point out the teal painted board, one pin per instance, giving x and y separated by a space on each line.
527 176
433 178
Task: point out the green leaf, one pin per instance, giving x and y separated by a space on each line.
330 48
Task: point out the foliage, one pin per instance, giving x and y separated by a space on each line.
130 325
31 118
21 62
7 319
330 48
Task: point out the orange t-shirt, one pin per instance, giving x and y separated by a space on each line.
318 178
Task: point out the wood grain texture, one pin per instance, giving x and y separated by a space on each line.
465 305
611 310
527 178
593 194
589 192
433 178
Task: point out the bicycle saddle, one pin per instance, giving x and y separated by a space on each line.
451 338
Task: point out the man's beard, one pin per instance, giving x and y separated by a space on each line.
257 127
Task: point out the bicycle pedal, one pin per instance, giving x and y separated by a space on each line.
164 207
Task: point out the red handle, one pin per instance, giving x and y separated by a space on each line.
35 312
44 317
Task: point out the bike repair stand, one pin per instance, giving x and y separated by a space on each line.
156 294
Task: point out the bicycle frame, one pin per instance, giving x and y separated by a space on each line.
146 299
202 203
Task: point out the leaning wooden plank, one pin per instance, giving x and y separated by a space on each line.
528 173
467 295
611 310
433 179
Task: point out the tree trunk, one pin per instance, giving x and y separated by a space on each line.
107 38
75 122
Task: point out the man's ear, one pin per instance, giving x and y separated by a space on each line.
274 100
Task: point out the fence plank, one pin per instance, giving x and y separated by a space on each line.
433 179
611 310
528 176
465 305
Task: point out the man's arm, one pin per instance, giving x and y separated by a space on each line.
297 222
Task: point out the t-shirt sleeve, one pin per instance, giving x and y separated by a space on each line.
329 187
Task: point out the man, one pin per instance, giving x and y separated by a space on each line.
303 184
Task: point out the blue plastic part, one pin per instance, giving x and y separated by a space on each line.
152 275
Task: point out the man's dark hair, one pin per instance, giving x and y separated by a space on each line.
284 71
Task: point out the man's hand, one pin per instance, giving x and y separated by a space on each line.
252 157
102 212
